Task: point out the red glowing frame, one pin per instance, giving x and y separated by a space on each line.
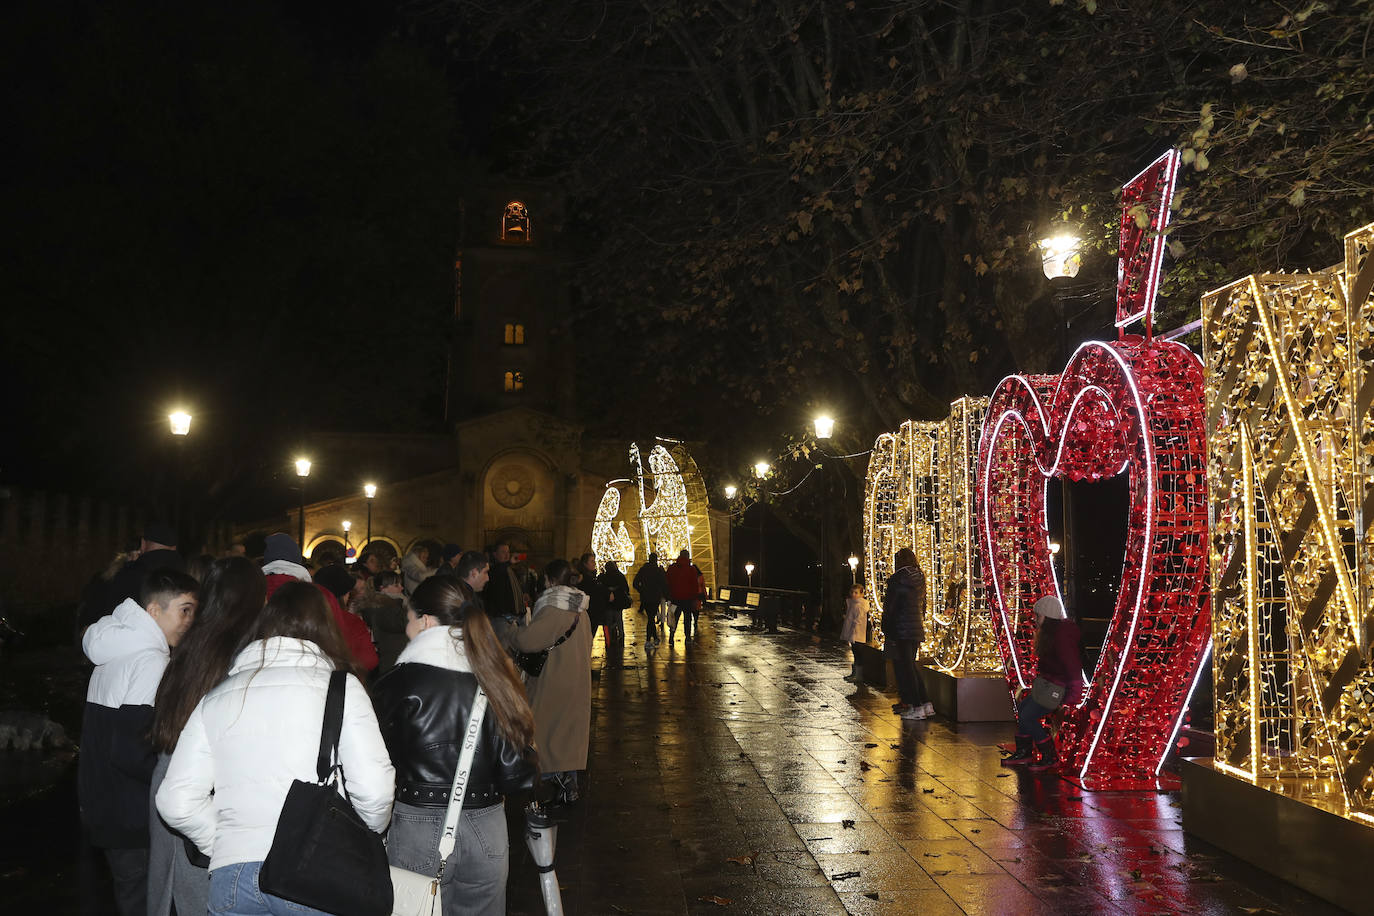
1147 195
1133 406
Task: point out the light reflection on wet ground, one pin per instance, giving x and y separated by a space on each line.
742 774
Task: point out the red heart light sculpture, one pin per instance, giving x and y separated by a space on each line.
1133 406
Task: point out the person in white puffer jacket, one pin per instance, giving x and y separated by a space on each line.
259 731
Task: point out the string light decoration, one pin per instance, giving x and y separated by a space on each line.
1132 406
678 515
919 494
1290 383
610 540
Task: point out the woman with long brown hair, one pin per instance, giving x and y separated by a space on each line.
232 595
256 733
423 706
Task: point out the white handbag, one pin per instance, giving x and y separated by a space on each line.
414 894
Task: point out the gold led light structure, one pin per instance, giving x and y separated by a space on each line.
919 494
1290 382
610 540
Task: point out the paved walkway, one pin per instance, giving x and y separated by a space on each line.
742 774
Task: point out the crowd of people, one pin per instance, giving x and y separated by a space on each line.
208 700
209 693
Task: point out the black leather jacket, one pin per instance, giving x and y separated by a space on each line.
423 712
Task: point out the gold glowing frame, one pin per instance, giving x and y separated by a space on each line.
1290 380
919 494
675 514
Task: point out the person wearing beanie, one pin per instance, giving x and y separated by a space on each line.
283 563
448 565
157 549
1059 683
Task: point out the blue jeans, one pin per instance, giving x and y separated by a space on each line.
902 652
1029 716
234 891
474 882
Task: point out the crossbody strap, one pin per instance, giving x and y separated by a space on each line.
333 725
449 839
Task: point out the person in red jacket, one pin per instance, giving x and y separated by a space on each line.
686 588
282 562
1059 659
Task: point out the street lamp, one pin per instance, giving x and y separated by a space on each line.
1054 547
302 471
824 425
730 491
369 490
761 469
181 422
749 572
1059 255
853 570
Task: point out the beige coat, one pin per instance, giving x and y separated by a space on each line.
562 694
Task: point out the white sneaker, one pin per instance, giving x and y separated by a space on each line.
915 712
927 710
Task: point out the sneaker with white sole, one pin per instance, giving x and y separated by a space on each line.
914 712
928 709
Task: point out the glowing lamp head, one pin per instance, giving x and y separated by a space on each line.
853 563
749 569
302 467
1059 255
730 491
181 422
1054 547
348 526
369 490
825 426
761 469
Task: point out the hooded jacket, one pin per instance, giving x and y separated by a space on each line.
354 630
684 580
256 733
904 604
423 706
130 653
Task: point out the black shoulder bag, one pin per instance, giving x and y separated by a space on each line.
532 663
323 855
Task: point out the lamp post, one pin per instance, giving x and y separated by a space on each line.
749 572
853 570
302 472
180 423
347 526
1060 258
730 491
369 490
824 426
761 469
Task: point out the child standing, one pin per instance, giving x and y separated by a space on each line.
853 630
130 650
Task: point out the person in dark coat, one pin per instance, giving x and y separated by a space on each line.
600 601
156 550
617 591
904 611
1059 659
652 584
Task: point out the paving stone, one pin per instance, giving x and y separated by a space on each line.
741 775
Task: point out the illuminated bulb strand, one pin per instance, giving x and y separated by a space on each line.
1285 372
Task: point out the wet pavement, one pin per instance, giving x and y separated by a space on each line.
741 774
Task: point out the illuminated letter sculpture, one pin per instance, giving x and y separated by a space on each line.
919 495
1134 406
1290 361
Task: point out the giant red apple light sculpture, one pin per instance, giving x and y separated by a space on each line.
1130 406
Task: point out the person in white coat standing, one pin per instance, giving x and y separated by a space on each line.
259 731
